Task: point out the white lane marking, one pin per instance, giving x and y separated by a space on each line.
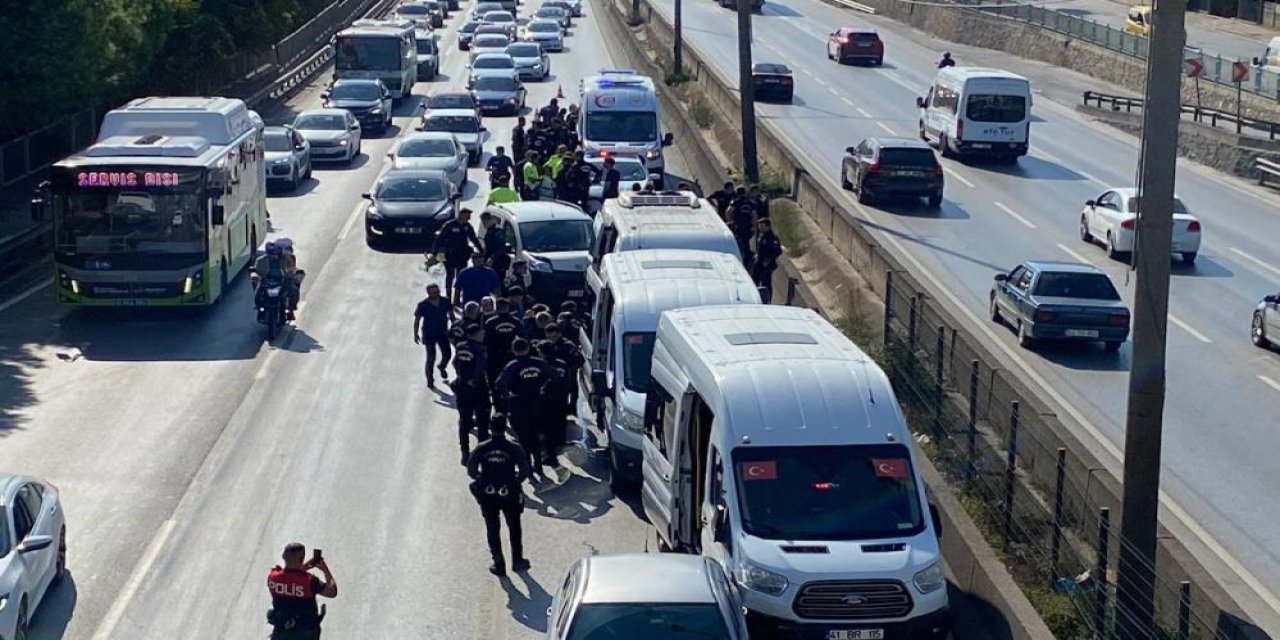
1189 329
1256 261
355 215
863 112
847 101
956 174
140 572
902 83
820 81
1001 206
1073 254
890 130
1270 383
24 295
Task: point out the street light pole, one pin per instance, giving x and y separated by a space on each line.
747 91
678 54
1135 586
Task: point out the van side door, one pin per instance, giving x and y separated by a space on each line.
714 511
656 489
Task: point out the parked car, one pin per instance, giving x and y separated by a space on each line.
463 124
439 150
645 595
334 134
1060 301
773 81
855 44
554 239
287 154
466 33
886 167
366 98
1112 221
428 55
547 33
500 93
33 550
532 63
409 205
488 43
1266 322
490 64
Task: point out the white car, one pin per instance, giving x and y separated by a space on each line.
488 43
438 150
547 33
1112 219
554 239
631 171
334 134
33 550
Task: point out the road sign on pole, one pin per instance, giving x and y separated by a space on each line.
1193 67
1239 71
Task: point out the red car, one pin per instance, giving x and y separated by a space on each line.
855 44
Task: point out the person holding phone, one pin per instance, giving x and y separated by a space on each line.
294 614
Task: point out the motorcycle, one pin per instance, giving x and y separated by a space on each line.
272 303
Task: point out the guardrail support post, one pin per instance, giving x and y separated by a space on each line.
888 307
973 419
939 353
912 314
1100 577
1184 610
1059 489
1010 471
792 285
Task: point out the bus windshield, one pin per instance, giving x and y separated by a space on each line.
622 126
131 219
367 54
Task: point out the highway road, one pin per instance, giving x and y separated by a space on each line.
189 452
1219 388
1230 38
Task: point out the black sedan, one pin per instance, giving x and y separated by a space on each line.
465 33
408 206
1060 301
885 167
499 94
366 98
773 81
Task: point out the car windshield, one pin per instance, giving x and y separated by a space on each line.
608 621
1083 286
1178 207
637 358
622 126
556 235
499 17
469 27
543 27
452 124
996 108
844 492
320 121
550 12
921 158
426 149
413 10
496 83
277 141
426 45
451 101
410 189
524 50
486 7
494 62
492 40
354 91
773 69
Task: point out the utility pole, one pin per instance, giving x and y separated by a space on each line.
635 12
747 91
1135 586
678 55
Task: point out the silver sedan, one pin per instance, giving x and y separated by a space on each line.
33 550
439 150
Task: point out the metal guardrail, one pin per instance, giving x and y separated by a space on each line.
1268 171
1202 115
856 6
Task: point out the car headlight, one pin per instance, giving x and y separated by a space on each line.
540 266
931 578
375 110
4 600
512 101
373 213
761 580
652 153
343 142
632 422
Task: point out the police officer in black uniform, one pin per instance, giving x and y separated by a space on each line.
518 393
518 145
581 175
742 221
500 331
455 240
497 253
567 359
498 469
461 328
541 142
768 250
550 112
471 389
721 198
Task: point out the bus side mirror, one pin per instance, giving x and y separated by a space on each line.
937 519
218 215
668 139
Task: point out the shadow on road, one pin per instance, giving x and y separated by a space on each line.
976 619
55 611
529 610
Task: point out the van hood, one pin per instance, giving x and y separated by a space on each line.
563 260
896 558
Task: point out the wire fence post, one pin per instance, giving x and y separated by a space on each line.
1184 610
792 287
1059 489
888 307
1011 461
1100 580
939 353
912 314
972 462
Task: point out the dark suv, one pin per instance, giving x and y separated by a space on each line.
892 166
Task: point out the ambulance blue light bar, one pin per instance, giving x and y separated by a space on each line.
618 72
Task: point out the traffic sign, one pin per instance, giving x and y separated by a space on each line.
1239 71
1193 67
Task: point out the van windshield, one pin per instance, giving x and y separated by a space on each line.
996 108
849 492
637 356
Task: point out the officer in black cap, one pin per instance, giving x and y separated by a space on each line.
519 392
471 389
567 359
498 469
500 331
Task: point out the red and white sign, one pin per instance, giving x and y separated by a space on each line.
1239 71
890 467
762 470
1192 67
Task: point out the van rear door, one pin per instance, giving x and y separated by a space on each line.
996 110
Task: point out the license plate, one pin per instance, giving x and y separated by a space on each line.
981 145
1080 333
408 230
856 634
910 174
770 80
575 293
132 302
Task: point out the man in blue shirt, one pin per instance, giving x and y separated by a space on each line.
431 329
478 280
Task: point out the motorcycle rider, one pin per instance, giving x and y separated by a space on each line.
946 61
499 166
500 333
519 389
274 265
498 469
455 240
471 388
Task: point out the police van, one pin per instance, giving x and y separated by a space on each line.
773 444
974 111
666 220
620 117
633 290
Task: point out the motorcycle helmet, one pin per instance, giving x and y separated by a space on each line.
285 244
273 249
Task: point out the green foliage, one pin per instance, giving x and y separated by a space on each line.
701 113
785 216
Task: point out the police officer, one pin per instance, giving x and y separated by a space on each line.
582 175
567 359
294 614
499 166
497 253
519 391
500 332
460 329
549 113
721 198
519 269
571 120
498 469
455 240
501 191
611 180
541 143
742 221
518 143
768 250
471 388
530 176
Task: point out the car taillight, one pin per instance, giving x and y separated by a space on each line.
1129 224
788 80
1119 320
1193 226
935 171
874 167
1044 316
959 129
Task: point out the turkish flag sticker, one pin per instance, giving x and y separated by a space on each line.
763 470
890 467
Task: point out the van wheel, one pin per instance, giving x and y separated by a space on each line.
864 196
1189 257
1112 252
944 146
935 201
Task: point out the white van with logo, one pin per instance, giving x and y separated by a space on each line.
634 288
974 111
775 445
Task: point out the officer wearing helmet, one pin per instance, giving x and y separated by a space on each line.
277 265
